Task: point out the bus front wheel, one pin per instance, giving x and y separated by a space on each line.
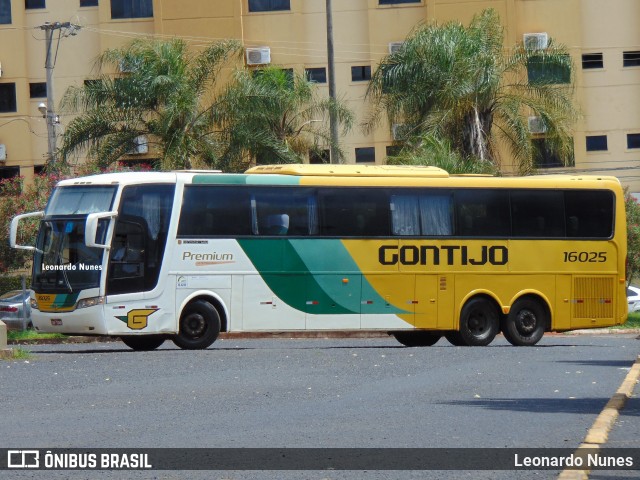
143 343
479 322
526 323
417 339
199 326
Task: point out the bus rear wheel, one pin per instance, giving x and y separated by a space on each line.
143 343
526 323
417 339
479 322
199 326
455 339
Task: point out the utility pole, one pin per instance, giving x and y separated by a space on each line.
333 118
48 112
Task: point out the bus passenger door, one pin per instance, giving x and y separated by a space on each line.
127 260
426 298
388 301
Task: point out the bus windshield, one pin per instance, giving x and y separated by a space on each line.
80 200
62 261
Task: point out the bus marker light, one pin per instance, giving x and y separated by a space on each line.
345 280
313 302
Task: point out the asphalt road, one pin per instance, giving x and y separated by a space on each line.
312 393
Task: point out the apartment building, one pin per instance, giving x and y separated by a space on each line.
604 43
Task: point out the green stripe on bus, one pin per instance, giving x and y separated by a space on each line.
302 273
241 179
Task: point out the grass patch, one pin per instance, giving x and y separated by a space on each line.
633 321
16 354
17 335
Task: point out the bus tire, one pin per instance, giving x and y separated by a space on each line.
479 322
143 343
199 326
417 339
526 322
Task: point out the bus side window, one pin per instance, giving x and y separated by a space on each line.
277 224
276 211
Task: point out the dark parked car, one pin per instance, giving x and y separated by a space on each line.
11 305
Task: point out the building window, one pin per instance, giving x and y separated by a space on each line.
131 9
541 70
88 3
316 75
393 150
633 140
596 143
269 5
361 73
631 59
5 11
8 97
544 157
29 4
396 2
38 90
39 169
366 155
319 157
592 60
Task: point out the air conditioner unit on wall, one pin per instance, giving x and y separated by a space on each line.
258 55
140 145
395 46
537 125
399 131
3 152
535 41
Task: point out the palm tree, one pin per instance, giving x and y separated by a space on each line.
164 93
461 84
275 116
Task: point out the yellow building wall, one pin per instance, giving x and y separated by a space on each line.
363 30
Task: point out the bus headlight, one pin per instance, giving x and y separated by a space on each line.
34 303
90 302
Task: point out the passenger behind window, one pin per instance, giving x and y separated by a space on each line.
277 224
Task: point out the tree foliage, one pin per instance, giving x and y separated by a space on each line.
275 116
164 93
461 84
438 152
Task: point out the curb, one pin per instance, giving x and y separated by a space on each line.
222 336
294 335
598 434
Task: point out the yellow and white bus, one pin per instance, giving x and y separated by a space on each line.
411 251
